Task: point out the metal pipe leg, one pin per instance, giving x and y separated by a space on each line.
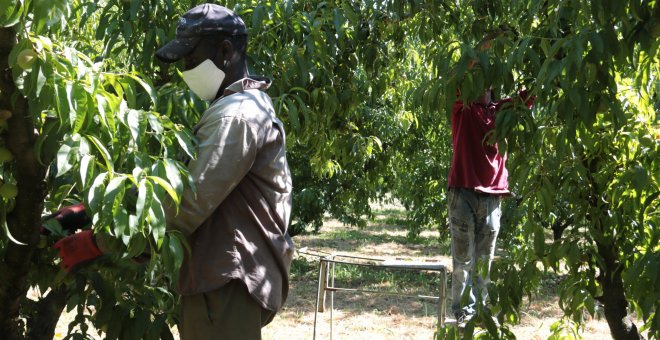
319 290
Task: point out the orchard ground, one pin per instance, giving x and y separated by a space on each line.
375 316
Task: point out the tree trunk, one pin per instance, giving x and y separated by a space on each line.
42 324
24 220
614 299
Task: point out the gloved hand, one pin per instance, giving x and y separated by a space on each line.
77 249
70 217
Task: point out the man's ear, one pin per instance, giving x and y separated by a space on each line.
227 50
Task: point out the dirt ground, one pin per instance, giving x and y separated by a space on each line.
373 316
376 316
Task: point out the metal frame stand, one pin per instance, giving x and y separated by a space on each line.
326 281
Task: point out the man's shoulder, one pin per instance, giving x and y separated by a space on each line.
253 106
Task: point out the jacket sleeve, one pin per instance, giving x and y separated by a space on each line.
226 152
458 106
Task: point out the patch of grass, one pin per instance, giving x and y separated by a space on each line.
303 269
360 237
378 234
386 279
371 278
391 216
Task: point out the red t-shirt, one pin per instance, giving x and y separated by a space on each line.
475 163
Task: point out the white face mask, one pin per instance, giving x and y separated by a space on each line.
204 80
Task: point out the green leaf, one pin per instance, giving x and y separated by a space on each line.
185 140
145 196
539 242
107 158
3 211
61 101
168 188
65 159
48 132
135 6
38 78
596 42
156 328
145 85
469 330
115 324
77 98
142 319
112 199
95 192
128 92
173 175
10 12
120 219
292 112
154 122
133 123
106 100
87 169
136 245
157 221
590 304
175 252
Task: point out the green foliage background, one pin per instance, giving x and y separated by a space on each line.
365 89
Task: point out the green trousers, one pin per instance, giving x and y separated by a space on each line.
228 312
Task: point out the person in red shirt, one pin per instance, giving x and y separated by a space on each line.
478 179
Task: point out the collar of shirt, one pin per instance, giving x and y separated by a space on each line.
248 83
490 105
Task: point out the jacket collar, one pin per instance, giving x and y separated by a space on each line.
248 83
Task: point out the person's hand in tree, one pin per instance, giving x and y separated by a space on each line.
77 250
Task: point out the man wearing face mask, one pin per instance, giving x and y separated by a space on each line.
235 278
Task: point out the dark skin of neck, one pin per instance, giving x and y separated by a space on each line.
224 55
485 98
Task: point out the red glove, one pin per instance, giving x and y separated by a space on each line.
77 249
71 217
529 100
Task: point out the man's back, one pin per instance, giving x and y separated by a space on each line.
476 163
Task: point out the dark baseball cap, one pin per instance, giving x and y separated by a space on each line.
203 20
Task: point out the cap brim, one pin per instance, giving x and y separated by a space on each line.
177 49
